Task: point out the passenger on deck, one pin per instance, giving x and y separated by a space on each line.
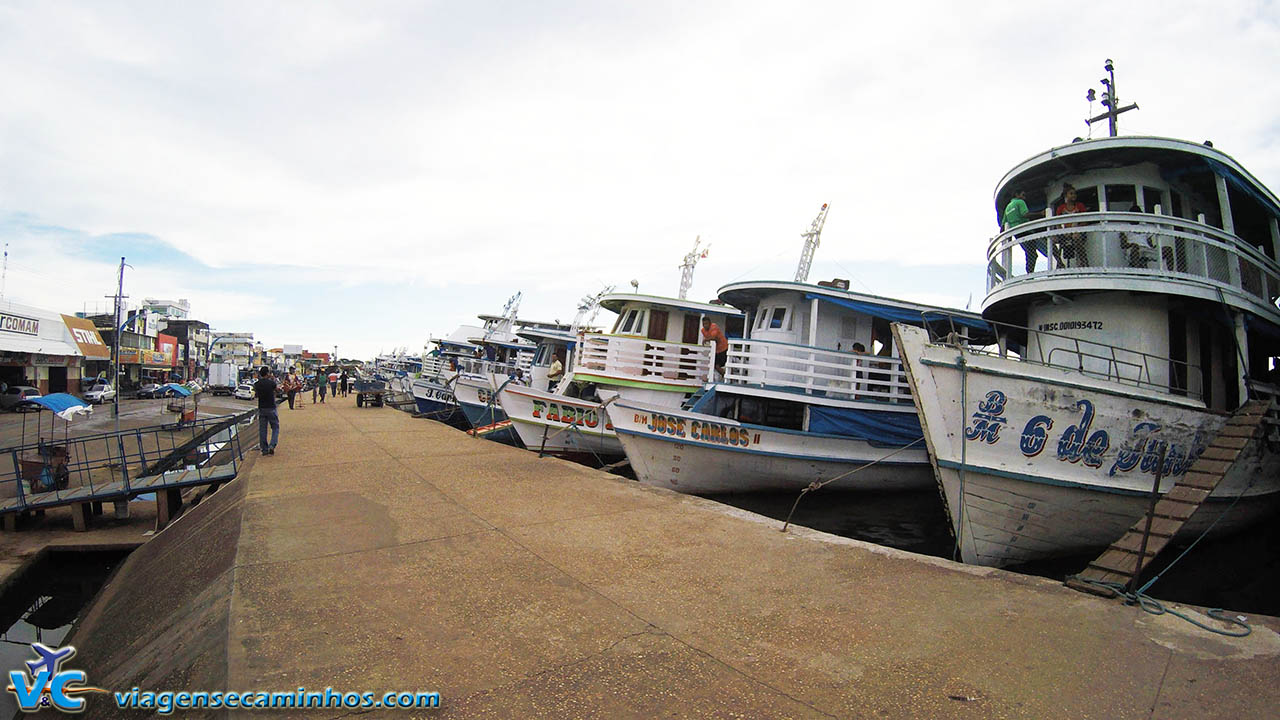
1015 214
556 371
712 331
1072 244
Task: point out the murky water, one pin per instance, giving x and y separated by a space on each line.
1240 572
43 603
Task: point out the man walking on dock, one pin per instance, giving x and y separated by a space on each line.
265 390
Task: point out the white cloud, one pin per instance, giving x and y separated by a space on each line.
496 146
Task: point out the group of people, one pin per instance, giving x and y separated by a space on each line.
265 391
1070 248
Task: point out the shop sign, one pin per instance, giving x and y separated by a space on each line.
19 324
87 337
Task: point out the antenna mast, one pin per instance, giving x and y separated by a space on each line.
588 308
686 267
1110 100
508 314
811 239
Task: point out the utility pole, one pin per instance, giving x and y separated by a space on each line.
115 345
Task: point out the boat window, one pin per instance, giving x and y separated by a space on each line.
771 412
761 317
692 325
540 358
779 315
1151 197
632 322
1121 198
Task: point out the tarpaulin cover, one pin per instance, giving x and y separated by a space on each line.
182 390
896 314
879 428
63 405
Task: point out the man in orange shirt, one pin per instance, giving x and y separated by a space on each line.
712 331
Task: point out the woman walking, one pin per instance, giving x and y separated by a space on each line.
291 388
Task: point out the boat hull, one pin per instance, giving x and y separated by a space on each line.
706 455
435 400
1037 462
556 425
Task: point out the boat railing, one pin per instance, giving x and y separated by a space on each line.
434 366
644 359
817 371
481 367
1095 359
1141 244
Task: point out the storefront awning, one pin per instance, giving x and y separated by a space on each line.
36 345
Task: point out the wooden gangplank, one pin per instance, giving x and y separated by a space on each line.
1126 557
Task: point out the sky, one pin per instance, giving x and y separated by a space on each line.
368 175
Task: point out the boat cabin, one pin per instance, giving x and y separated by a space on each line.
1155 263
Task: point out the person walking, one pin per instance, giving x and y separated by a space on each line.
291 388
342 382
333 383
322 384
314 385
265 390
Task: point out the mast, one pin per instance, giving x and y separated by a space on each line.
508 315
686 268
811 239
1110 100
588 307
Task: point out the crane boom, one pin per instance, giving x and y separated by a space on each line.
811 239
690 262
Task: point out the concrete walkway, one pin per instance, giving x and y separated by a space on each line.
379 552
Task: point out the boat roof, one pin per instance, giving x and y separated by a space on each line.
540 334
614 302
750 293
1174 158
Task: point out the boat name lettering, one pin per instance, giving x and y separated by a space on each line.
1142 451
988 419
721 434
1035 435
1073 447
666 425
1070 325
568 414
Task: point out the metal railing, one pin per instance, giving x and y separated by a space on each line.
644 359
816 371
1159 246
105 466
1095 359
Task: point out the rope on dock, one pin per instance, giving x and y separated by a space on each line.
815 485
1155 607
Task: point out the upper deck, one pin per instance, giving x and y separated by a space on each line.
1161 216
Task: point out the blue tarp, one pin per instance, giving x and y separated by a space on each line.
902 315
63 405
182 390
879 428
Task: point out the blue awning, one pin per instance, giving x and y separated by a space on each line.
882 429
64 405
902 315
182 390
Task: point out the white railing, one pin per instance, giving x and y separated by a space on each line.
643 359
1160 246
815 371
434 366
481 367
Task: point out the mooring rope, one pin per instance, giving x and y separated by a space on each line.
815 485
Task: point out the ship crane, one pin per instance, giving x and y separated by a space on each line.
690 262
508 315
588 307
811 239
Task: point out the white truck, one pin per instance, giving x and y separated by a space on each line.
223 378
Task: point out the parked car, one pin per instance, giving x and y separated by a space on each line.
149 390
244 391
100 393
16 398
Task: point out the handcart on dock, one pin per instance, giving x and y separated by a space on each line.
369 392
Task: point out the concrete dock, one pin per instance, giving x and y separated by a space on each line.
378 552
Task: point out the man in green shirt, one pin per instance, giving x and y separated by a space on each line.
1015 214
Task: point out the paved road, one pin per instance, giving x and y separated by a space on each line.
378 552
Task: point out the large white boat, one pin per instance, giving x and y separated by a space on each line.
653 353
815 392
1128 332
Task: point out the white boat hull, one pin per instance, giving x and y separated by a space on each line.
1037 462
707 455
554 424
